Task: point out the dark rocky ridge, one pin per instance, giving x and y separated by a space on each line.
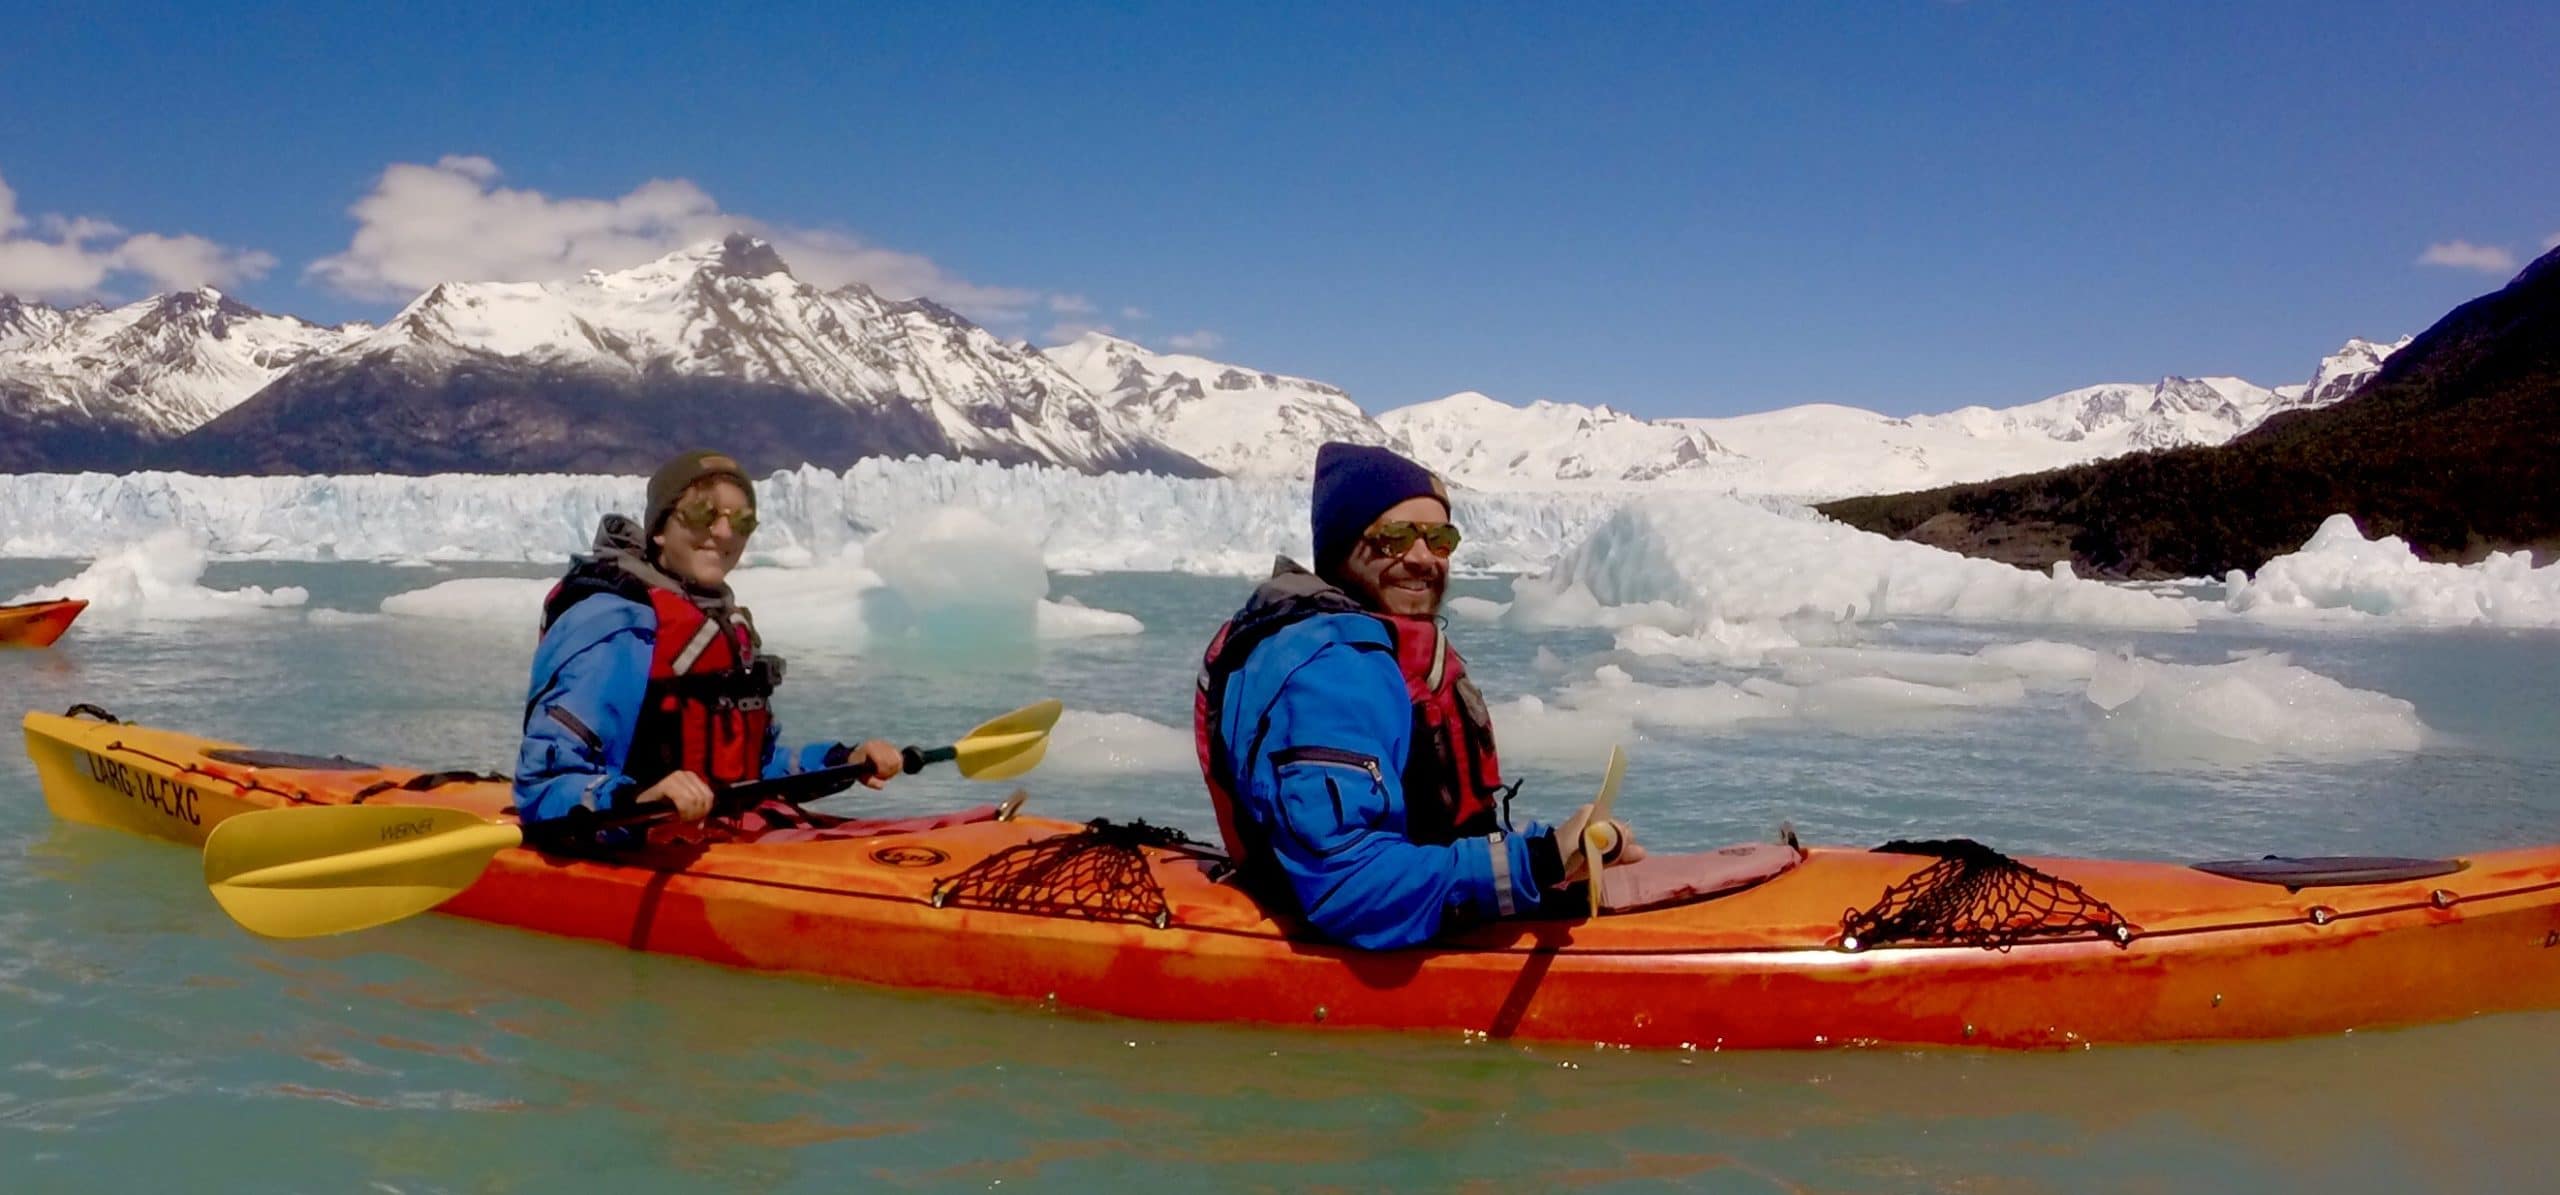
377 415
2454 446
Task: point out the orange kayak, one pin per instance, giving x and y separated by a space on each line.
38 624
2182 954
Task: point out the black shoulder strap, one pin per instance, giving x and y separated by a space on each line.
586 579
1250 628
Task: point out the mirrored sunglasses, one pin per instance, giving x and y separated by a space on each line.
1393 539
701 513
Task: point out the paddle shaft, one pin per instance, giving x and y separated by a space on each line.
797 788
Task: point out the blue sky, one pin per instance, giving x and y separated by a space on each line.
1673 209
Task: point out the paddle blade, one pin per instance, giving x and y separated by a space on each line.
1595 841
305 871
1009 746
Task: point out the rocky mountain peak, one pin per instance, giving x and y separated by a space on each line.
1241 420
742 256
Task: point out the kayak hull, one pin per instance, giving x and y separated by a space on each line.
38 624
2212 958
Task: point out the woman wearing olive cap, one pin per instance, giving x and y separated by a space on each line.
650 683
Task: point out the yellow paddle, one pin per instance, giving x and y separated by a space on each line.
308 870
1596 836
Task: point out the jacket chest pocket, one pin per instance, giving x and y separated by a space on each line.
1328 796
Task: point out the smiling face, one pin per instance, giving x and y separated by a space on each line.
701 541
1410 583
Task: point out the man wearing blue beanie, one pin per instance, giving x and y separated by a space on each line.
1351 761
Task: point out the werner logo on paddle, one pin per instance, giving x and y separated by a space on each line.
404 831
171 798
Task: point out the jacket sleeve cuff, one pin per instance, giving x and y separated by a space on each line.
1509 876
610 792
1546 860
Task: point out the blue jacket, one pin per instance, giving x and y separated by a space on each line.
589 674
1319 726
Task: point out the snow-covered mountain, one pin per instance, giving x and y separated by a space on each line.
733 310
2118 418
1481 441
22 323
158 368
718 342
1242 422
1819 450
721 343
2341 372
1822 451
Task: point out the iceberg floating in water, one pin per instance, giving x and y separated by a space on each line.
2339 574
1067 618
2249 710
156 579
495 601
1096 743
1688 562
2261 705
972 581
954 574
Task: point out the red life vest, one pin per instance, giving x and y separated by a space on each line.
1452 777
707 707
1453 757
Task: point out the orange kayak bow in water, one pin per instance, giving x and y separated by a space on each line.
38 624
1923 943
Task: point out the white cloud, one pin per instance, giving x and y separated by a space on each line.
40 270
1202 341
833 259
451 221
1132 313
2552 241
1071 305
76 257
75 228
2463 255
186 262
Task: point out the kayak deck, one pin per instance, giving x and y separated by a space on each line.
2205 956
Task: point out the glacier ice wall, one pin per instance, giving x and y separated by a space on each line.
1112 522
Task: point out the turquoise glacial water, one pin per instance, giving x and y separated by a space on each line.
151 1045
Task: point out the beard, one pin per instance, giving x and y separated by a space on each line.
1413 591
